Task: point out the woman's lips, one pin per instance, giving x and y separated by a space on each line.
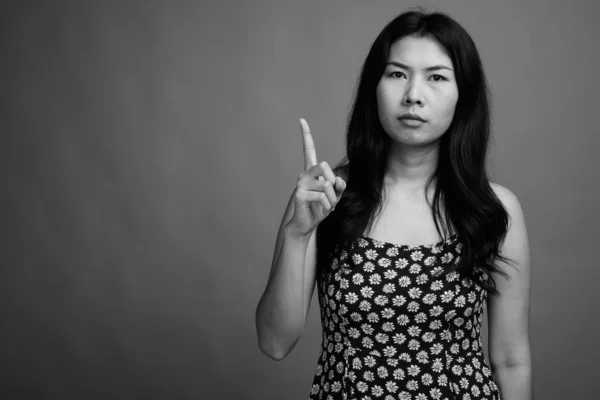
411 122
412 116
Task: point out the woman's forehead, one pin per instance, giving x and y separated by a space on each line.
419 52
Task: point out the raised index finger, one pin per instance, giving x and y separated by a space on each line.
310 154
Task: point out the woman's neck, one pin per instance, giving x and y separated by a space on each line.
408 169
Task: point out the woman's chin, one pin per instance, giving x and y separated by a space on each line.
411 139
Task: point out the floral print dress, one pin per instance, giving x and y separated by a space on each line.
391 330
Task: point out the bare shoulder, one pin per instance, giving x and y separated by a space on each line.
509 200
516 244
506 196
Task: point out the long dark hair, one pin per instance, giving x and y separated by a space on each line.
463 200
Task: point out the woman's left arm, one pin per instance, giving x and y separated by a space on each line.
508 313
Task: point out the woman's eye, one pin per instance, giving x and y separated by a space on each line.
438 78
396 74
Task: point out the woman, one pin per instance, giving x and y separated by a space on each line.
411 249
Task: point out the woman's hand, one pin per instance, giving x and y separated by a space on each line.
318 189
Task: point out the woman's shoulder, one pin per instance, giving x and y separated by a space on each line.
508 199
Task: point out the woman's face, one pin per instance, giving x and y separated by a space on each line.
418 79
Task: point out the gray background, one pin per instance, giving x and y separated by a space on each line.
148 151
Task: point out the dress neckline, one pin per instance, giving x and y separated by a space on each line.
449 240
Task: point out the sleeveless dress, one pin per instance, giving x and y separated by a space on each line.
391 330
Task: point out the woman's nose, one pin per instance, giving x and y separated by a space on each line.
413 94
413 101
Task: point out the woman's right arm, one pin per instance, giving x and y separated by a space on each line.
284 305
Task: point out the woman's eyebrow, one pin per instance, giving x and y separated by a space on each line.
432 68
